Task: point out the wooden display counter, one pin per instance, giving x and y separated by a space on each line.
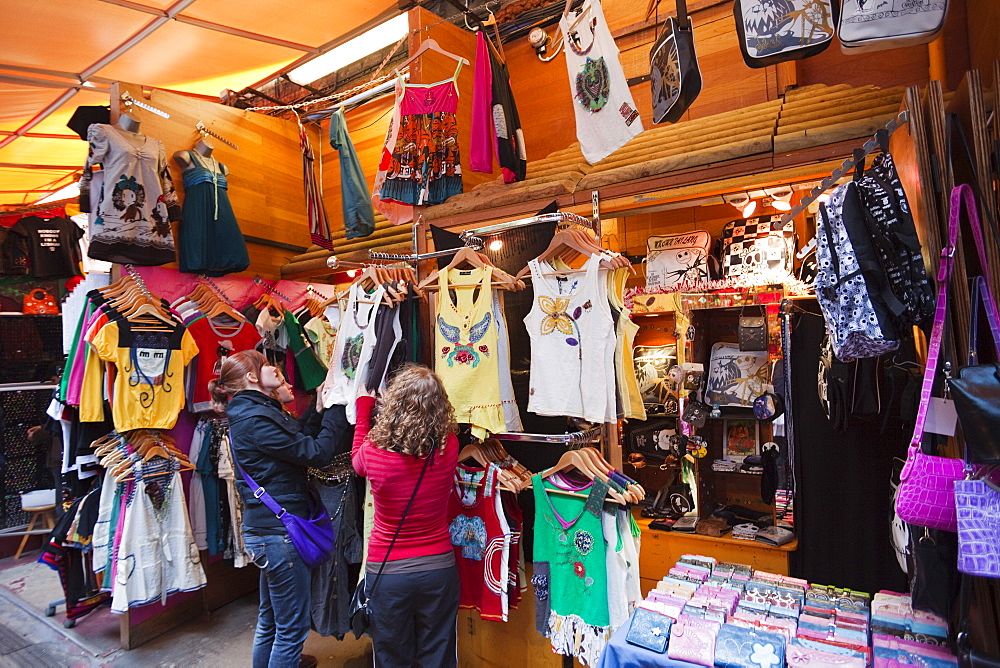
661 549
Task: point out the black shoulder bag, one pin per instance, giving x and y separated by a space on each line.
673 68
360 615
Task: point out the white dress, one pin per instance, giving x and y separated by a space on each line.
157 555
606 115
352 353
572 344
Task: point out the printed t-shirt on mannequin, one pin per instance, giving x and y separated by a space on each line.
138 201
149 386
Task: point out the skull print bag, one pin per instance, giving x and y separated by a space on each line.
675 259
760 245
775 31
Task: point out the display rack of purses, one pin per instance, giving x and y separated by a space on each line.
707 612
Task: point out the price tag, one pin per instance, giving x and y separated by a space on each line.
941 417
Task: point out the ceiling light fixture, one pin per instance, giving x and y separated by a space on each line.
496 245
352 50
781 197
743 203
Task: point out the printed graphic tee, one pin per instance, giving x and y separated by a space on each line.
53 245
606 116
149 385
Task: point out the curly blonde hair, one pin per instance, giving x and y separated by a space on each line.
414 414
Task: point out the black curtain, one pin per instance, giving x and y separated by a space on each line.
843 498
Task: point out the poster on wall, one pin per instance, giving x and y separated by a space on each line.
741 439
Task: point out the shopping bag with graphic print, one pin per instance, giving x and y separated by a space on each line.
674 74
775 31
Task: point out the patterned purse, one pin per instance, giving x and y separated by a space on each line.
693 640
977 503
673 68
775 32
649 629
757 245
738 647
675 259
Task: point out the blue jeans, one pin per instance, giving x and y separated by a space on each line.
283 619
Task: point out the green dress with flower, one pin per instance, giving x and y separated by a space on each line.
570 538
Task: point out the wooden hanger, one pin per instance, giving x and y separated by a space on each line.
599 462
369 278
574 459
468 258
573 241
430 44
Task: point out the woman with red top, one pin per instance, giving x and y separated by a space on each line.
414 606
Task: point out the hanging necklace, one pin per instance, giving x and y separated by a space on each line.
573 40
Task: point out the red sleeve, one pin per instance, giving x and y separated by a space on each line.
362 425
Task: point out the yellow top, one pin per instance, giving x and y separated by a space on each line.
628 386
465 338
149 386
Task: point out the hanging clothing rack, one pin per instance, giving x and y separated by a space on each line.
472 237
357 100
269 289
333 262
129 101
578 438
554 217
899 121
217 290
206 132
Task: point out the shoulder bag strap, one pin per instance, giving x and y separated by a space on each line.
259 492
401 520
981 293
937 332
683 21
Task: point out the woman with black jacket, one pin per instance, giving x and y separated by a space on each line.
270 446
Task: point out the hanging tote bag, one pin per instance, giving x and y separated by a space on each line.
673 68
675 259
874 25
773 31
926 495
976 387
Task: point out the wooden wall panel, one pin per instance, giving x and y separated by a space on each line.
983 20
367 126
265 180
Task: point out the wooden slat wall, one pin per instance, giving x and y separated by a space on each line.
265 174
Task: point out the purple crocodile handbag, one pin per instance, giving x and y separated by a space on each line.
926 495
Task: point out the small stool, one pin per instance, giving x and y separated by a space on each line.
45 512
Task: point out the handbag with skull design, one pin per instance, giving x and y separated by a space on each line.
759 245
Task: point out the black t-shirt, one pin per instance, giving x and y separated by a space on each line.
53 244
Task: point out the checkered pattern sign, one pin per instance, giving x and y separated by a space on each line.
757 245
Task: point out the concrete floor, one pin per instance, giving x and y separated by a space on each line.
28 639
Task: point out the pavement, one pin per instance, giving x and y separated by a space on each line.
30 639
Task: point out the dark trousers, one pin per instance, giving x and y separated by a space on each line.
413 619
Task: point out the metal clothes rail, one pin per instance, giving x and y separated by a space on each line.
882 135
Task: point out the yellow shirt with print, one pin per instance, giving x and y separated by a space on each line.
149 392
